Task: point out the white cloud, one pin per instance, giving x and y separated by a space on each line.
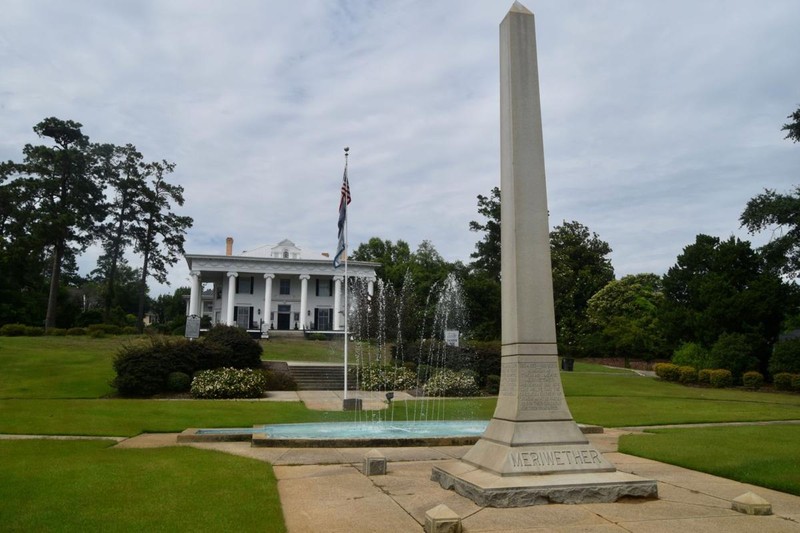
660 119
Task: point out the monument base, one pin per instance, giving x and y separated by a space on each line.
491 490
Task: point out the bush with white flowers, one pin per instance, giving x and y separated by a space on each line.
229 383
448 382
377 376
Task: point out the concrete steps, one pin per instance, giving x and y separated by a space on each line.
319 377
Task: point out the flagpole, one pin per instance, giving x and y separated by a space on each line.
346 155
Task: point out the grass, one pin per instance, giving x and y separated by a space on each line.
57 367
761 455
298 349
59 385
88 486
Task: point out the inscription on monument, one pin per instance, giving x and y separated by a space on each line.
508 383
545 458
542 390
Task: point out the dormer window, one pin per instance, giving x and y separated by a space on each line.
285 254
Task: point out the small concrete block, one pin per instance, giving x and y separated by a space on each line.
374 463
750 503
352 404
442 519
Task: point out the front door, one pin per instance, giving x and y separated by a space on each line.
243 316
284 316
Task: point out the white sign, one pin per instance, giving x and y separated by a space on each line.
192 327
451 337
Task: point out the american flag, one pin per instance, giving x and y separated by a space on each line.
343 201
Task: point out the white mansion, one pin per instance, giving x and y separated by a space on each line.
276 287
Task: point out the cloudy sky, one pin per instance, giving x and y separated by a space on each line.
661 119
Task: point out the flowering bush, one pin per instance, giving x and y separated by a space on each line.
667 371
447 382
752 379
687 374
376 376
721 378
229 383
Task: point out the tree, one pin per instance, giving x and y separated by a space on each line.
159 234
626 313
723 287
793 128
580 269
62 187
487 250
394 259
778 212
124 165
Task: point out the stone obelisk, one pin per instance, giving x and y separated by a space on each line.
532 450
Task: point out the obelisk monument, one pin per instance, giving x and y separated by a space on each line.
532 450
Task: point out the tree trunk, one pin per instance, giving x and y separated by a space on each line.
55 281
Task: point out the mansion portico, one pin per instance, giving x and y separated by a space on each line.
277 287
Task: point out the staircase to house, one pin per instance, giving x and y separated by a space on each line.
319 377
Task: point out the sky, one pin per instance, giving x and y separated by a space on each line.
660 119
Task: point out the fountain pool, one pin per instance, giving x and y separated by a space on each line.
348 434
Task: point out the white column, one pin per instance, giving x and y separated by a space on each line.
304 300
194 295
268 299
231 298
371 287
337 302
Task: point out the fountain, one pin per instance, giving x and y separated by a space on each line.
381 321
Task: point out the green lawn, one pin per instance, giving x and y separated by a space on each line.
766 456
298 349
59 385
88 486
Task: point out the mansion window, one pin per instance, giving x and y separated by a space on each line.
285 286
324 287
244 285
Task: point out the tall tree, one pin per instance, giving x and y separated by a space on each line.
64 189
124 165
722 287
160 233
581 267
626 312
778 212
487 250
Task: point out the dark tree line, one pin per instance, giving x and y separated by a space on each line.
66 194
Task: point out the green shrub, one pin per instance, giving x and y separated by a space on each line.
178 382
279 381
782 381
691 354
143 368
106 329
245 351
13 330
76 331
667 371
96 333
785 357
687 374
377 376
226 383
734 352
492 384
129 330
211 355
34 331
753 380
721 378
704 376
56 332
795 381
448 382
317 337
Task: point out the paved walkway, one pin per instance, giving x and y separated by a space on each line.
324 490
